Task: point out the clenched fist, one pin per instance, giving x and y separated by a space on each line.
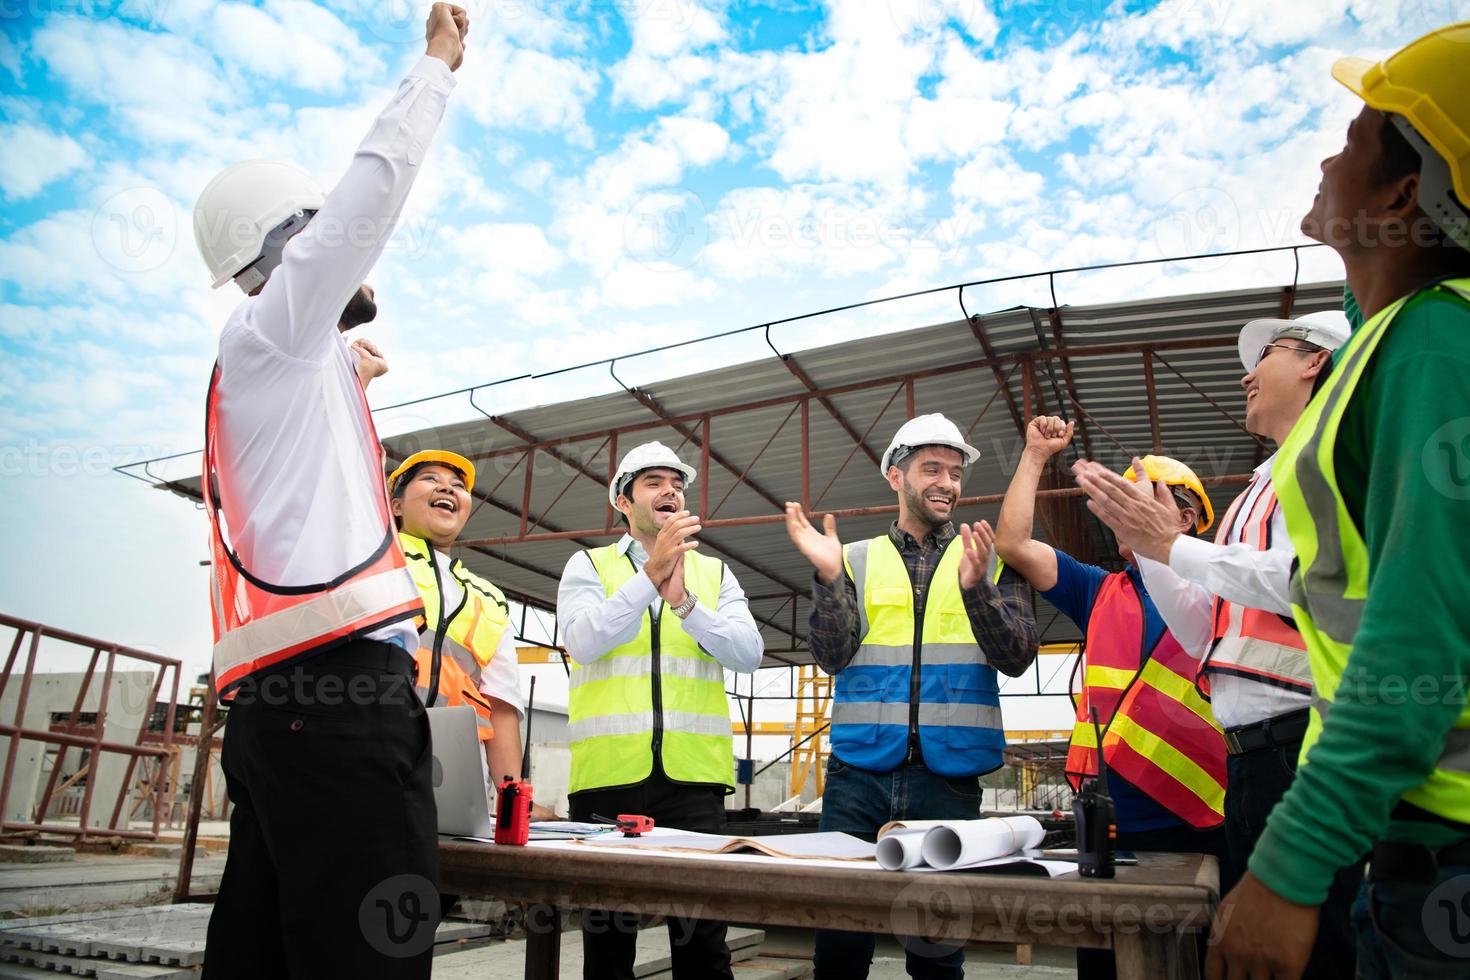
370 361
445 32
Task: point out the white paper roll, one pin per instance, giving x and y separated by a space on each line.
901 850
967 841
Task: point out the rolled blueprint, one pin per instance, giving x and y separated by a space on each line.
966 842
900 850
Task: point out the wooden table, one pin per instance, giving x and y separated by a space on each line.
1148 915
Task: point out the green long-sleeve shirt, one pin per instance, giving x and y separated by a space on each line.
1403 463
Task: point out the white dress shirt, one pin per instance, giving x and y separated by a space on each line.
592 623
299 490
1185 590
501 677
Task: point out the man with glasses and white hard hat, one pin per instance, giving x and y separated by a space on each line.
914 625
333 864
1228 603
651 625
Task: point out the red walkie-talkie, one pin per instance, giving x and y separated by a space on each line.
513 813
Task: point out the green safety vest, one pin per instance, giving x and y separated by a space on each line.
657 693
1330 584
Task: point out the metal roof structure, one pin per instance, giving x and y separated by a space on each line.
1156 375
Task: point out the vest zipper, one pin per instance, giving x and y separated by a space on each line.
655 617
656 678
437 657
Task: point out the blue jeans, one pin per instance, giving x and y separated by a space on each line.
858 802
1414 932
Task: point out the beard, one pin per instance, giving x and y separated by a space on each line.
921 508
360 309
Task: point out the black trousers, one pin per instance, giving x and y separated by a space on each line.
1258 780
1098 964
333 867
610 936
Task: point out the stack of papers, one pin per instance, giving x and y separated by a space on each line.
1005 844
828 846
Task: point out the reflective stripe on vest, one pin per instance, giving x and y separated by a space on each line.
1253 643
472 633
958 712
639 694
258 624
1330 585
1158 732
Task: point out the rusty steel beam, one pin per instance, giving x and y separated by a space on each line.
1054 316
977 327
826 403
551 451
555 533
1153 401
874 511
679 426
1101 350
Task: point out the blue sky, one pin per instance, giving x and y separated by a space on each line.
611 175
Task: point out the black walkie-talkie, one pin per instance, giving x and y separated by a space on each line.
1096 819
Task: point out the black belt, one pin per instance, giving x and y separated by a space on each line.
356 654
1415 863
1269 734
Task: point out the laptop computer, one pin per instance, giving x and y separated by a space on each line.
459 773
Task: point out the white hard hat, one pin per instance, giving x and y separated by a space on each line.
649 456
1328 329
926 430
241 206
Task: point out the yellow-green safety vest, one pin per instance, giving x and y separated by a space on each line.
1330 584
657 693
471 635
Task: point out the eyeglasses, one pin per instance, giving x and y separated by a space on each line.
1262 355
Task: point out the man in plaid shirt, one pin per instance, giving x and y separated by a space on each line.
914 624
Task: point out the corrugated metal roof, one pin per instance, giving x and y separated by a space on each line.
767 440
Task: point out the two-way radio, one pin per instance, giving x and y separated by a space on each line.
1096 818
513 813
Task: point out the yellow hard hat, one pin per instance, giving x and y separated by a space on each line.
1425 82
1176 474
452 460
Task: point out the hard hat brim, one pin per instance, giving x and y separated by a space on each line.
452 460
966 450
1255 335
684 469
1370 81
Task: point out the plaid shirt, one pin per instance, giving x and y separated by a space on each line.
1000 615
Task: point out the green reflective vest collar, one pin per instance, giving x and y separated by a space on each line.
1330 584
644 696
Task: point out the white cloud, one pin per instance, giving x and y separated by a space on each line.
663 28
31 158
289 42
10 57
508 87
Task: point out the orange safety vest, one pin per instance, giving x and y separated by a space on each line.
1253 643
1158 732
259 625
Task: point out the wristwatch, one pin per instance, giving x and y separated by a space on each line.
683 609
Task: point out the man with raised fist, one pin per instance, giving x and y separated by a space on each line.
333 865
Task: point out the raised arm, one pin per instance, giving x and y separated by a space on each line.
298 308
1035 560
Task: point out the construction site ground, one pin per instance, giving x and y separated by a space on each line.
110 916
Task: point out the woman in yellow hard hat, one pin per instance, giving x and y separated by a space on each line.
1374 481
467 652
